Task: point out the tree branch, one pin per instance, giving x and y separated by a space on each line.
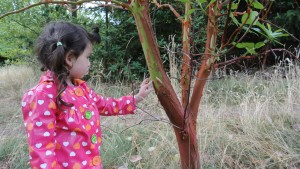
290 53
226 24
171 8
232 61
250 26
61 2
25 26
235 60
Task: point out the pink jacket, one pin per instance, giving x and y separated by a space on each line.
71 137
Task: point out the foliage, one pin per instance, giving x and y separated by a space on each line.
120 50
17 33
287 15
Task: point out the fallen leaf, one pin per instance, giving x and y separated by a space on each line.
151 149
296 127
129 138
124 166
135 158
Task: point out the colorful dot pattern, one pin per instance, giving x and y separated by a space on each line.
69 137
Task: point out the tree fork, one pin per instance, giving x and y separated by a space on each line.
187 141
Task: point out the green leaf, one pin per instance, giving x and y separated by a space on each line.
259 45
234 6
258 5
250 46
279 34
184 1
234 19
245 45
251 50
253 18
201 1
189 12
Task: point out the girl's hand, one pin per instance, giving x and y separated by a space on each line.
145 89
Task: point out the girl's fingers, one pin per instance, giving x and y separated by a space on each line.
145 81
148 86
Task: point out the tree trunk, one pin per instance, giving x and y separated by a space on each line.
74 10
187 141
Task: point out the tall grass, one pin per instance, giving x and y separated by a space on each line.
245 121
252 121
14 80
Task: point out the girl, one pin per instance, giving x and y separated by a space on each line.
61 113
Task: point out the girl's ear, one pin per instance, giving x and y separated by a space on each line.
70 60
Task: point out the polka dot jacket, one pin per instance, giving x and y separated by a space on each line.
67 137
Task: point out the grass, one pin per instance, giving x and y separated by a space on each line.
245 121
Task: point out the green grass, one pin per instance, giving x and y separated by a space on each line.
244 122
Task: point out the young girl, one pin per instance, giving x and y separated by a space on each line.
61 113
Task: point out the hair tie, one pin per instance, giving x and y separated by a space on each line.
59 44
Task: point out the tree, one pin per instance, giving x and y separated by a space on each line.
183 114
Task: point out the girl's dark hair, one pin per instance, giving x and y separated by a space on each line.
72 38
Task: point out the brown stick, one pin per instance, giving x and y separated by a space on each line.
58 2
226 25
171 8
238 59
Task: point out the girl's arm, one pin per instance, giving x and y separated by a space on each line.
39 112
123 105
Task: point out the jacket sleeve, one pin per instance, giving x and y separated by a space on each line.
112 107
39 112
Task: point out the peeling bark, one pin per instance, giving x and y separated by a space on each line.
186 57
187 141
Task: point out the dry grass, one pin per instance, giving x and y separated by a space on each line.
244 122
14 80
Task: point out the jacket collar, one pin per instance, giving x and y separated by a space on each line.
49 76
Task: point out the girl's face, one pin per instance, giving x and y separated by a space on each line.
80 66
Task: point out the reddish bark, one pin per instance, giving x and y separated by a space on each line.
162 84
201 80
205 67
187 140
186 58
184 126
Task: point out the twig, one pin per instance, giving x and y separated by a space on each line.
171 8
290 53
60 2
25 26
137 124
111 5
250 26
268 10
232 61
161 120
226 24
235 60
297 3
